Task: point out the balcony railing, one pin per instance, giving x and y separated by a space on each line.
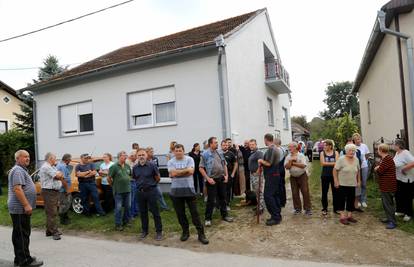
275 70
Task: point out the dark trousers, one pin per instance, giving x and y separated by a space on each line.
229 190
271 194
216 191
86 189
51 198
21 238
404 197
326 182
247 176
346 198
309 155
282 194
198 181
108 202
179 207
389 206
148 201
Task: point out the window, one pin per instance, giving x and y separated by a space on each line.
6 99
270 115
369 112
152 108
76 118
285 118
4 127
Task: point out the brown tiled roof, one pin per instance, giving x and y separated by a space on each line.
8 89
195 37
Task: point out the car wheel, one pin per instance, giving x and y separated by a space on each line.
77 204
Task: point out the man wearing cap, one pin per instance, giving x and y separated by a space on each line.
85 171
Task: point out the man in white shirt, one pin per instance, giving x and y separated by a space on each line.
363 148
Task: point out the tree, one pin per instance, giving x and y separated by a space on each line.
340 100
50 68
316 127
301 120
347 126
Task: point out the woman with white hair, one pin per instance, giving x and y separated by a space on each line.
347 177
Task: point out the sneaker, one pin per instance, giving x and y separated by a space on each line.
359 204
364 205
228 219
406 218
308 213
143 235
228 208
352 220
207 223
399 214
56 237
272 222
390 226
35 263
297 212
158 236
344 221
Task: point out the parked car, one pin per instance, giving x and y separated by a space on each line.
76 199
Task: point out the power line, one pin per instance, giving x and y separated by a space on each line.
63 22
32 68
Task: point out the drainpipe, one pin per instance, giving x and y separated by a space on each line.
220 44
410 54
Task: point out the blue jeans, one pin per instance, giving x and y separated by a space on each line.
364 178
86 189
134 208
122 199
161 199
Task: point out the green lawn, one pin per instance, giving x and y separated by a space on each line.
374 197
105 224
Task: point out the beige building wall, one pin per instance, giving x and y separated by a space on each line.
7 109
380 95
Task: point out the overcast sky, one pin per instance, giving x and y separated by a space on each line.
319 41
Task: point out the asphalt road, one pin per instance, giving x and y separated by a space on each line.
77 251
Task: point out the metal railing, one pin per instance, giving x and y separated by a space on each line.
276 70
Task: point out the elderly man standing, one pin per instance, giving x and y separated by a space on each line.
51 181
147 177
86 172
21 202
65 198
119 177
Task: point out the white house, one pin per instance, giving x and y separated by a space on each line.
223 79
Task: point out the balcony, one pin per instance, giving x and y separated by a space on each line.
277 77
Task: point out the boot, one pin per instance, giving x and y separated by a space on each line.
185 235
202 237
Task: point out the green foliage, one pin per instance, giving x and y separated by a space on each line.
340 100
10 142
24 119
301 120
316 128
346 128
50 68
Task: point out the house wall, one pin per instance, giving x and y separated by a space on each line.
197 105
6 110
381 87
246 84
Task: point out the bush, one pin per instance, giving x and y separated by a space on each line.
10 142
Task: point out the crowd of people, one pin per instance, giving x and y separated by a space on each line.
216 171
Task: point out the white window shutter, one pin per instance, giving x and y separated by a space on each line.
85 108
164 95
140 103
68 119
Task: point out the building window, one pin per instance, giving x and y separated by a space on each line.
369 112
285 118
76 119
6 99
152 108
270 115
4 127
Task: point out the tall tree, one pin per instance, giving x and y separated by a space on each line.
301 120
340 100
50 68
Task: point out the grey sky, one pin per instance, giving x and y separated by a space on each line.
319 41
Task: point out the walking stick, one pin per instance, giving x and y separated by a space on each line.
258 198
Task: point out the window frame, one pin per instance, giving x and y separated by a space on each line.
154 124
270 112
369 111
285 120
4 97
78 132
6 122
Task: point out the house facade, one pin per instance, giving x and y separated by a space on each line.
9 104
223 79
383 81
